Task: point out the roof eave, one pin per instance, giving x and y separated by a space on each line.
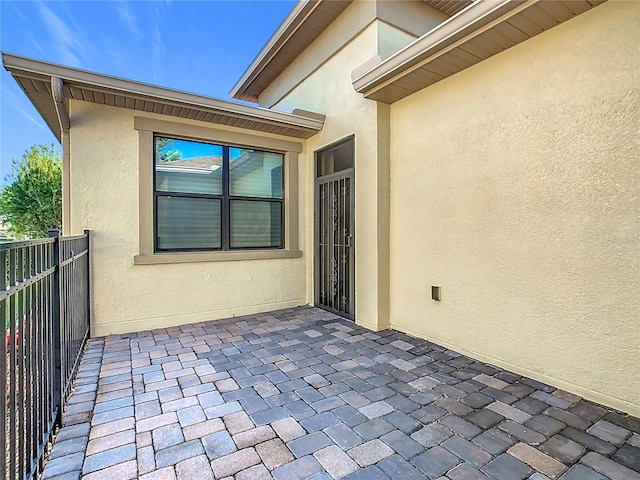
475 16
22 67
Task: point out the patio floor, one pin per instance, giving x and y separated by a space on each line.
301 394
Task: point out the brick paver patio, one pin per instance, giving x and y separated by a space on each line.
301 394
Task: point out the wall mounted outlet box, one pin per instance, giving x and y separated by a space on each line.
435 293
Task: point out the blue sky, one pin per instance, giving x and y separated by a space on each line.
196 46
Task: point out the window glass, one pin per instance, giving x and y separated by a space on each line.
187 166
253 173
185 223
217 197
255 224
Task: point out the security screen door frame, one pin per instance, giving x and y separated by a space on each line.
334 228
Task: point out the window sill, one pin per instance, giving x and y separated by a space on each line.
194 257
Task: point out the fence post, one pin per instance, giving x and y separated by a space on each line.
88 273
56 320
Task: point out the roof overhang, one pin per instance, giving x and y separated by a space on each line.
35 79
303 25
479 31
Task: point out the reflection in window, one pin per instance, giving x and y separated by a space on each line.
255 174
217 197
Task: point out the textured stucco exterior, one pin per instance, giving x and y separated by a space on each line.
104 181
515 188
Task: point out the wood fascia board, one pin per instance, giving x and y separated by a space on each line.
26 67
459 29
289 26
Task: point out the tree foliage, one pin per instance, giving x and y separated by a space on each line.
164 152
32 201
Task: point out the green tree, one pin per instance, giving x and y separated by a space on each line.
164 153
32 201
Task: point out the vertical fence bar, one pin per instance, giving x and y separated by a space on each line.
28 352
4 365
88 283
56 380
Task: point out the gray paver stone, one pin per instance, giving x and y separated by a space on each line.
589 441
370 473
288 429
308 444
301 469
191 415
274 453
506 467
608 467
494 441
403 422
111 427
522 433
377 409
565 450
218 444
397 467
166 473
319 421
403 444
68 447
335 461
195 467
109 458
373 429
580 472
177 453
467 451
575 421
370 452
146 460
62 465
628 456
202 429
269 416
349 415
167 436
435 461
122 471
343 436
223 410
545 425
107 442
460 426
432 435
465 471
157 421
74 431
609 432
257 472
234 462
509 411
254 436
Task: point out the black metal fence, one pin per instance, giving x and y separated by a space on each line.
44 301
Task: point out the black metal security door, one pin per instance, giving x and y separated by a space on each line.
335 243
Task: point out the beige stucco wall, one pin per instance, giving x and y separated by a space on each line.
515 187
127 297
